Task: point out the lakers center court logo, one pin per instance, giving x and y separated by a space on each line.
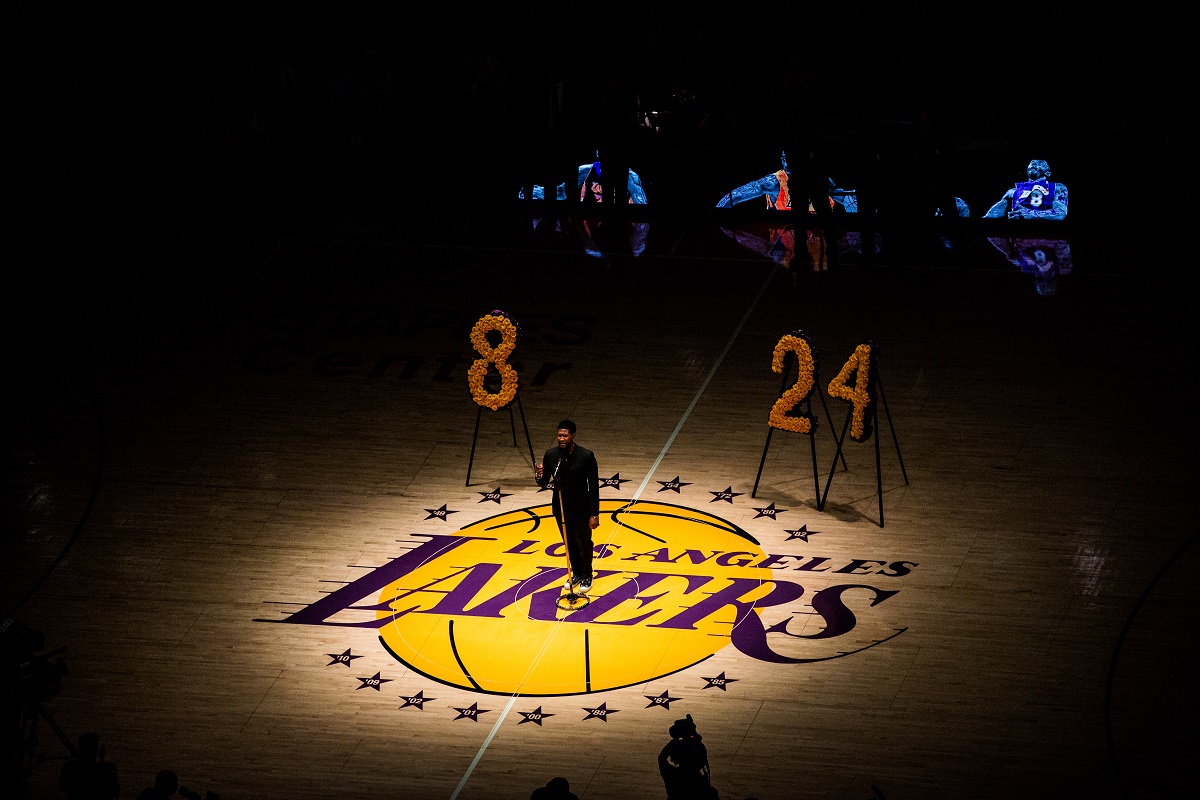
477 609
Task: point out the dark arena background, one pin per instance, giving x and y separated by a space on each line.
875 315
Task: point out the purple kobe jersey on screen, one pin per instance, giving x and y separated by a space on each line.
1034 194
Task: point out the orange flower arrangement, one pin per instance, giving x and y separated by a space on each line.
497 356
806 364
860 394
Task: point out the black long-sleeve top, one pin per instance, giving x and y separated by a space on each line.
576 478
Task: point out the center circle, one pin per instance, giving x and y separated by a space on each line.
669 584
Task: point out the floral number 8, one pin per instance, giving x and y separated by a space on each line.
497 356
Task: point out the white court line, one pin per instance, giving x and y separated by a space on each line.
653 467
708 378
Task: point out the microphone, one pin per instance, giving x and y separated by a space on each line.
557 464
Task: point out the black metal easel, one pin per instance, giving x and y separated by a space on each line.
876 385
512 422
811 438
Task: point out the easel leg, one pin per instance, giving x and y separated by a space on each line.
525 426
878 470
787 371
762 461
829 417
895 439
812 444
836 455
474 440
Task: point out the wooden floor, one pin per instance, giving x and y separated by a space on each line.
228 444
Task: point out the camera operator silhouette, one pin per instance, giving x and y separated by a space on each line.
30 678
683 764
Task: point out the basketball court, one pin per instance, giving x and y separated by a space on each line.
278 547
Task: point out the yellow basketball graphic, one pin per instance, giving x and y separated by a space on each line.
669 584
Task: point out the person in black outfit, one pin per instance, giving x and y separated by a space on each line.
572 472
683 764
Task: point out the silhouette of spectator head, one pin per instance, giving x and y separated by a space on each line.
89 746
557 788
87 776
166 782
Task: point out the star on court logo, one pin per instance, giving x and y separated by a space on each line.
476 608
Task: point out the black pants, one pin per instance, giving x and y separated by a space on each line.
578 535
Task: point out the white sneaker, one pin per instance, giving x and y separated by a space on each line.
585 585
570 584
